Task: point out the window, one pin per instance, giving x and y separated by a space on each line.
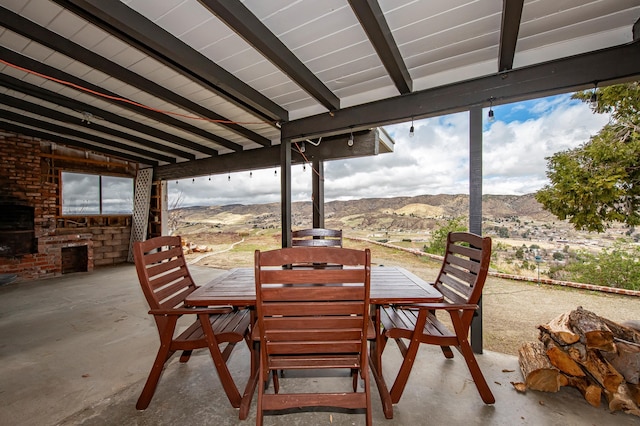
85 194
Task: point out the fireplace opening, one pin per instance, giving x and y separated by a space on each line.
74 259
17 234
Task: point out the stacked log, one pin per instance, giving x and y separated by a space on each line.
597 356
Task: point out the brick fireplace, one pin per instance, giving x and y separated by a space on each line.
32 246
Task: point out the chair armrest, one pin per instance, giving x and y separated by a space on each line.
444 306
187 311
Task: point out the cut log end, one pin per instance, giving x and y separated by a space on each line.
537 370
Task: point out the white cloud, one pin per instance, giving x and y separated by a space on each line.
434 161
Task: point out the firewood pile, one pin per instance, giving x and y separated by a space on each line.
597 356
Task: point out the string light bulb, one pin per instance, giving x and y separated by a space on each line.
594 96
350 141
250 174
303 148
411 129
491 115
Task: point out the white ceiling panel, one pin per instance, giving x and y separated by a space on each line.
13 41
40 11
66 24
89 36
183 17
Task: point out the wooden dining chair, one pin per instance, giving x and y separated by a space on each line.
316 237
166 282
313 319
461 279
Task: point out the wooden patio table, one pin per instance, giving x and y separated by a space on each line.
389 285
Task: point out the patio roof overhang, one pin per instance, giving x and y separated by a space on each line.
199 87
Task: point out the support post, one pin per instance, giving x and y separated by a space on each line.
475 205
285 191
318 193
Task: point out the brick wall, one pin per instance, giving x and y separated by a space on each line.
24 177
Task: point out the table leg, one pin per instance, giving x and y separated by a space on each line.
250 388
375 362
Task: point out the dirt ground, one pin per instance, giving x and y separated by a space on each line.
512 310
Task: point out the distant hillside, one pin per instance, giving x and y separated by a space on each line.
407 213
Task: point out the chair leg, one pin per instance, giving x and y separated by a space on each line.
405 370
154 376
185 356
276 381
261 381
446 350
476 373
409 358
367 391
354 376
226 379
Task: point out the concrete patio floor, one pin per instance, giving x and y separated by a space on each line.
77 350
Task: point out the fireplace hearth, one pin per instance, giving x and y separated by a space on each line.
17 233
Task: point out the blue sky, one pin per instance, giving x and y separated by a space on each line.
434 161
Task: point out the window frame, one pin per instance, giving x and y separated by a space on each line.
100 191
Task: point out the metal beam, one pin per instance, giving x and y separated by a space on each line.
285 192
56 42
35 133
317 190
606 66
66 118
112 99
365 144
511 17
70 132
128 25
57 99
253 31
373 22
475 204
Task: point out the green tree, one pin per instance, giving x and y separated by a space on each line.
599 182
438 240
615 267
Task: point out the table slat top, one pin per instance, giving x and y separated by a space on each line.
389 285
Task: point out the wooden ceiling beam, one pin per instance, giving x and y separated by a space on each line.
253 31
511 17
375 25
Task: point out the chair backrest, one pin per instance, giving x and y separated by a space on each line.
163 272
464 268
312 311
316 237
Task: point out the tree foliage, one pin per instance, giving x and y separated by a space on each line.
438 241
614 267
599 182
